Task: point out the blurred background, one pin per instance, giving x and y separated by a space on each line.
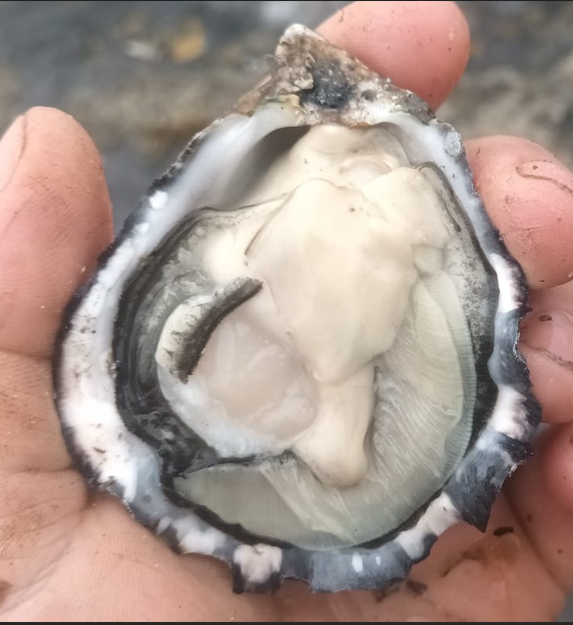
142 77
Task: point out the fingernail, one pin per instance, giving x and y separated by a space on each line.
549 331
11 149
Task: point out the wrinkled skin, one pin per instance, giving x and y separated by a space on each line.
69 554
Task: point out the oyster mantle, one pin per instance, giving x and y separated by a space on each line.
132 347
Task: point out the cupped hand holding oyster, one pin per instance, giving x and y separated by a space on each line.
65 546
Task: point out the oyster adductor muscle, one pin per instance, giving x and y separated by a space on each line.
300 355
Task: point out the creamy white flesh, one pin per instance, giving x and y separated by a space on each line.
356 253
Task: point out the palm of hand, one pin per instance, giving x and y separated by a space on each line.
67 553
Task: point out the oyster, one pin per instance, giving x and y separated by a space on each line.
300 354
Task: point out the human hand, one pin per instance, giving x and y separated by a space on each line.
70 554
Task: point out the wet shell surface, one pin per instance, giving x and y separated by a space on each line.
300 354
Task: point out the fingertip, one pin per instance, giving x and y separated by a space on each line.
546 345
421 46
55 218
529 196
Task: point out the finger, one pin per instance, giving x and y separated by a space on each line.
529 196
541 493
114 571
546 344
496 576
31 435
421 46
55 219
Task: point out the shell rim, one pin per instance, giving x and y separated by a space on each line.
260 567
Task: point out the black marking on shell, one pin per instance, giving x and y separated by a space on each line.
331 88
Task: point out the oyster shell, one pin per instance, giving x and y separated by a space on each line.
299 355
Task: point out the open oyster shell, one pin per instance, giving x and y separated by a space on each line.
300 354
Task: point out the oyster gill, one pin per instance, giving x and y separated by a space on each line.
300 354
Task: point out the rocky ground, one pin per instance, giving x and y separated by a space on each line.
142 77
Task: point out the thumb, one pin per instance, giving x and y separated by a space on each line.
55 219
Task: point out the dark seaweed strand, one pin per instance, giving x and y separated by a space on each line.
223 303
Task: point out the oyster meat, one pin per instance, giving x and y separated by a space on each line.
300 354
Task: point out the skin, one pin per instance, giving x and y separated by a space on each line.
70 554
